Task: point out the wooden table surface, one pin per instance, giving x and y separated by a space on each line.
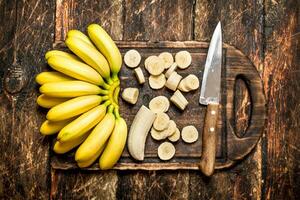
267 31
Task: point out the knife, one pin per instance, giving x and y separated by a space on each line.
210 96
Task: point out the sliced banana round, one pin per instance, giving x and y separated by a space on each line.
157 135
189 134
170 130
171 70
159 104
155 66
167 59
183 59
157 82
166 151
182 86
132 58
161 121
175 137
148 59
192 82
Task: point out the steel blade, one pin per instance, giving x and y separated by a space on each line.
211 82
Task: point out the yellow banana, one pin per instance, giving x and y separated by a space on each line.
61 53
91 160
75 69
50 127
80 35
50 77
115 145
82 124
107 47
48 102
90 55
61 148
97 138
70 89
73 107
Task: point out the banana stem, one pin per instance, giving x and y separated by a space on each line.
105 92
115 76
105 86
107 102
106 97
110 109
109 81
116 112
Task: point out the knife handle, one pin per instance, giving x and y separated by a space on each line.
207 162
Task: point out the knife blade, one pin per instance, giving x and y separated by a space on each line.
210 96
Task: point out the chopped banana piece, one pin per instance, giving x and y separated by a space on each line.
157 82
171 70
132 58
167 58
166 151
175 137
139 75
155 66
130 95
192 82
189 134
159 104
173 81
179 100
182 86
183 59
147 60
170 130
161 122
138 132
157 135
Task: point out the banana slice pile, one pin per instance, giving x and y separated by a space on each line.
82 98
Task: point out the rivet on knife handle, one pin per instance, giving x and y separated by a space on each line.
209 140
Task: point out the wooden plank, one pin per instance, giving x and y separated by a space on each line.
242 27
281 76
28 33
142 23
74 14
158 20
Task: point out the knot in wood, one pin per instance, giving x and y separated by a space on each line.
15 79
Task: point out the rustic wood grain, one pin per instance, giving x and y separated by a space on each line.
242 23
158 20
28 33
75 14
281 76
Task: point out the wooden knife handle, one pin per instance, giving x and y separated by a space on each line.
207 162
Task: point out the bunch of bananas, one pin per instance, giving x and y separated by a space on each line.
82 95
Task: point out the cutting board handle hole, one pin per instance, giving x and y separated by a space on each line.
242 106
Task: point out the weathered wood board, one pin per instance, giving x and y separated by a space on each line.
230 147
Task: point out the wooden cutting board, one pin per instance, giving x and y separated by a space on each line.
231 146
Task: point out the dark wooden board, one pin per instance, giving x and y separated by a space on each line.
230 146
